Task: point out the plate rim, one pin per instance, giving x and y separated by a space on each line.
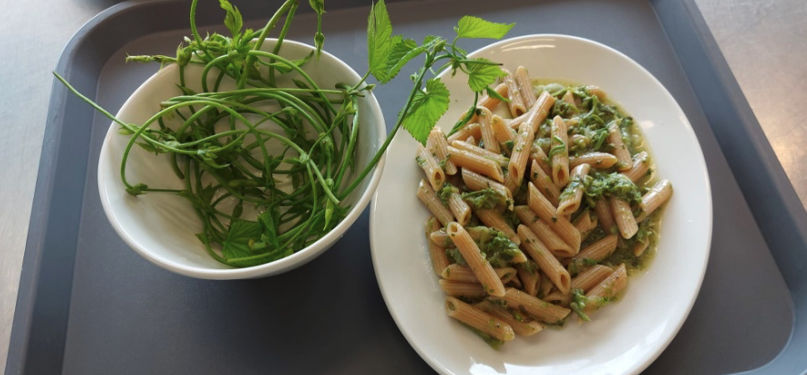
703 172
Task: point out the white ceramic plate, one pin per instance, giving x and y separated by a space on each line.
622 338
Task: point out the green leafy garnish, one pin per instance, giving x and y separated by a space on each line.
484 199
427 107
578 304
475 27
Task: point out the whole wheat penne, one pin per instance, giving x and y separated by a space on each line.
501 131
465 159
514 282
623 216
494 219
592 276
550 266
525 86
640 248
548 237
459 273
559 298
460 209
546 287
526 134
486 130
473 256
607 289
618 147
573 194
596 91
585 223
490 102
516 104
522 327
479 319
469 130
495 157
476 181
530 278
598 250
641 165
568 97
438 145
471 140
427 195
654 198
462 289
538 155
437 253
440 238
559 152
541 310
604 217
543 182
544 209
597 160
514 123
430 166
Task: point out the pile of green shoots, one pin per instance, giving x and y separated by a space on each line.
232 179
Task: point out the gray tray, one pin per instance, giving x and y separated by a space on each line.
89 305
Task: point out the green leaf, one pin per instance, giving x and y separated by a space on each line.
427 107
379 39
482 74
239 237
317 5
233 19
475 27
494 94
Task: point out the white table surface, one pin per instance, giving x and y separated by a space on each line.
764 42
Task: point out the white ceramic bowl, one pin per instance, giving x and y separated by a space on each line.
622 338
161 226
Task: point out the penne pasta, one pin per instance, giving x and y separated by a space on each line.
539 309
558 298
473 256
573 194
462 289
438 146
653 199
604 217
592 276
597 251
585 223
550 266
525 86
491 102
456 272
530 278
526 134
437 253
465 159
460 209
623 217
559 152
501 131
475 181
544 209
597 160
640 248
607 289
516 104
433 203
479 319
521 325
640 167
440 238
469 130
497 158
486 130
538 155
618 147
568 97
494 219
544 183
430 166
552 241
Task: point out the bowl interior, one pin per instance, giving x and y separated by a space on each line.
162 226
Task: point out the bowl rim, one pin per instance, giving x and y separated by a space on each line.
296 259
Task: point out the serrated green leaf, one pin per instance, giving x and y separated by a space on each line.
379 39
241 232
402 51
232 19
475 27
427 107
482 73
